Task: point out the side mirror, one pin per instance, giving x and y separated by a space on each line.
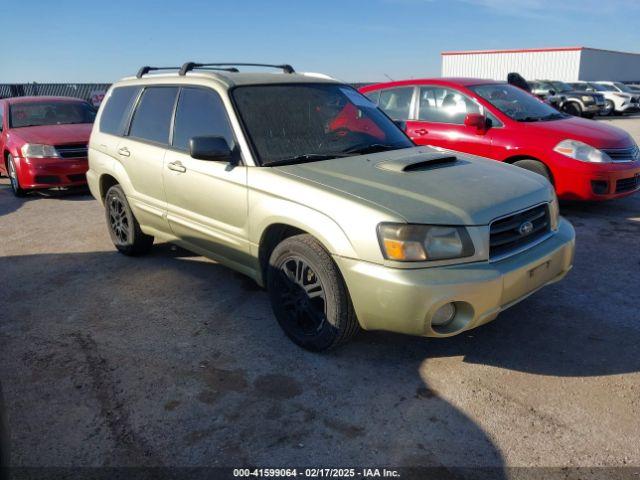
210 148
477 121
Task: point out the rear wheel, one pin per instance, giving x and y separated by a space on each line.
308 295
534 166
18 191
124 229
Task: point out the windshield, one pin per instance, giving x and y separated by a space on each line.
297 123
516 103
623 88
597 87
560 87
35 114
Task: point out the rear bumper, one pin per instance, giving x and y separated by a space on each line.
404 300
51 172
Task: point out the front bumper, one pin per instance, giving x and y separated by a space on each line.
52 172
628 107
404 300
576 180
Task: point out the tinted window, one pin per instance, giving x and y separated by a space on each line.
152 119
116 109
373 96
444 105
200 112
313 122
396 102
33 114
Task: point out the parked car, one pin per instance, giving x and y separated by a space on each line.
624 99
44 141
617 101
302 184
546 93
576 102
585 160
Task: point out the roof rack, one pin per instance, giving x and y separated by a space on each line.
188 66
146 69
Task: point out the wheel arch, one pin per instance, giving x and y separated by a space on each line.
106 182
511 160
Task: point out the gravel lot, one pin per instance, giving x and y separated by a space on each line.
170 359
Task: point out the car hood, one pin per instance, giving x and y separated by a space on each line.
55 134
596 134
467 190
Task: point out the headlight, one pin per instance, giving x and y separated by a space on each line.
581 151
35 150
554 213
587 98
415 243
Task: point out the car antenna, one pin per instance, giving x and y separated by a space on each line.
388 77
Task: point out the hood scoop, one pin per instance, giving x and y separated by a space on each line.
418 163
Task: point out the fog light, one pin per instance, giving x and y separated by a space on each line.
600 187
444 315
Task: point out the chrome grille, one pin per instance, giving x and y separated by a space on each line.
630 154
72 151
514 233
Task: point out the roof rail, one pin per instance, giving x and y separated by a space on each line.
146 69
188 66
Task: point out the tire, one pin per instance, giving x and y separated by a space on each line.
573 108
309 298
18 191
124 229
536 167
611 108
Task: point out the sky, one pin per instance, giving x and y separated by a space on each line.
354 40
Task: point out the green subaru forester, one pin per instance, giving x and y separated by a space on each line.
301 183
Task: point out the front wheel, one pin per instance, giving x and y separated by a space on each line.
124 229
573 108
308 295
18 191
610 108
534 166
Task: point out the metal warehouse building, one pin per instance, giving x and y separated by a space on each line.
568 64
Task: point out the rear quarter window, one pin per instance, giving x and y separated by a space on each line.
116 110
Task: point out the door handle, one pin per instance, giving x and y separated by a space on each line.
421 131
124 151
177 166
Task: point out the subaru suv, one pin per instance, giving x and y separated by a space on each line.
304 185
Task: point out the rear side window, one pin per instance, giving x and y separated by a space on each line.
200 112
396 102
116 110
152 118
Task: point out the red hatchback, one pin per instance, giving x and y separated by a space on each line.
44 140
584 159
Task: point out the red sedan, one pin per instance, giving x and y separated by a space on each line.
43 141
584 159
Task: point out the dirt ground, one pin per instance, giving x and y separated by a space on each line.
173 360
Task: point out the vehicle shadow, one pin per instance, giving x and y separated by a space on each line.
179 361
10 203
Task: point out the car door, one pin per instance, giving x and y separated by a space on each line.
141 152
439 121
2 138
206 200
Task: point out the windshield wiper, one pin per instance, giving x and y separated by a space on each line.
371 148
306 157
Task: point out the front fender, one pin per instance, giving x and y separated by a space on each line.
268 211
